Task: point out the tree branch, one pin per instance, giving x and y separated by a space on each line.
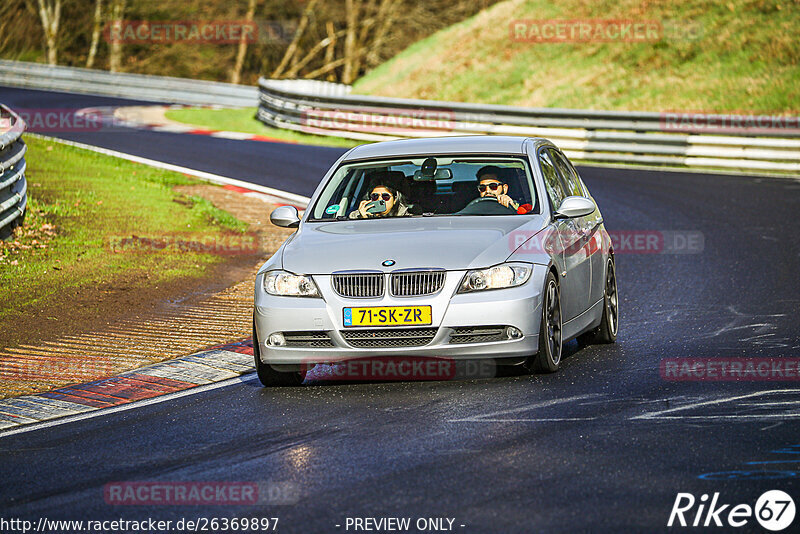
290 51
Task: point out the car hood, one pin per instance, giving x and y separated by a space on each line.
452 243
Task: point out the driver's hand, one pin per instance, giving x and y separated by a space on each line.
505 200
362 209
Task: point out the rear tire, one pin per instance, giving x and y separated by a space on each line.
551 339
609 324
268 376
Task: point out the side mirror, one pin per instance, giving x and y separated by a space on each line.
573 207
285 216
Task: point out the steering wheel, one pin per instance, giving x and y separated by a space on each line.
479 200
485 206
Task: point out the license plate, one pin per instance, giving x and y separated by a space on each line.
388 316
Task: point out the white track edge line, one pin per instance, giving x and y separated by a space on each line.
245 377
207 176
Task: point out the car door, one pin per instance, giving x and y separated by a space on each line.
589 226
571 269
577 237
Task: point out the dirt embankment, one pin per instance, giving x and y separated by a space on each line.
95 332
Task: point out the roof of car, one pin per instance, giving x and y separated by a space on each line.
470 144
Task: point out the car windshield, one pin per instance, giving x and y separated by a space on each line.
428 186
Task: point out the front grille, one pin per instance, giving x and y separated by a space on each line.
478 334
358 285
371 339
307 339
417 283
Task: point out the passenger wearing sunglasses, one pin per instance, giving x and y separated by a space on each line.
396 206
489 185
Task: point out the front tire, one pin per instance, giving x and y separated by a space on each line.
551 339
268 376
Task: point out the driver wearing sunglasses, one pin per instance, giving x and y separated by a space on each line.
395 204
490 186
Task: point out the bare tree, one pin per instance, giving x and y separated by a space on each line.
330 50
387 14
298 34
242 51
335 40
96 26
115 52
325 44
50 16
367 29
351 14
4 23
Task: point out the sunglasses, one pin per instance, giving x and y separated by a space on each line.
492 186
385 196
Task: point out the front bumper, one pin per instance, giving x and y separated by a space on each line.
519 307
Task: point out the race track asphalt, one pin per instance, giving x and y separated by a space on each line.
603 445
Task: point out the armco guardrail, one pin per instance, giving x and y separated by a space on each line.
124 85
13 187
601 136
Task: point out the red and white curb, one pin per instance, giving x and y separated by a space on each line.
123 116
217 364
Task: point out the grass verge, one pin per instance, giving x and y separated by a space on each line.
243 120
80 205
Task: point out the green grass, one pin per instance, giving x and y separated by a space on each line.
243 120
745 57
80 203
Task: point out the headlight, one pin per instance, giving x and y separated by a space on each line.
287 284
497 277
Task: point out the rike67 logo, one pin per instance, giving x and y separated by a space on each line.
774 510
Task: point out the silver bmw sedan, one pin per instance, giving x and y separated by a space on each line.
461 248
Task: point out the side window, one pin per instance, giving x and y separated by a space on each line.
568 173
554 188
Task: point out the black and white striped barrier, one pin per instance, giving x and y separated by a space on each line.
749 142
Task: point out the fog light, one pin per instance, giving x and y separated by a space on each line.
513 333
276 340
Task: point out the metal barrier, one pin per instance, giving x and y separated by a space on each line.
13 187
597 136
125 85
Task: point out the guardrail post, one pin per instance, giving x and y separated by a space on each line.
13 187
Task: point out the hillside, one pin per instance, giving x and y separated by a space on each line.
735 55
